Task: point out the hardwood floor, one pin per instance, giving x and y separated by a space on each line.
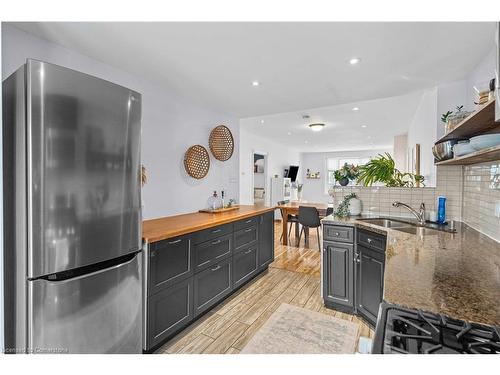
292 278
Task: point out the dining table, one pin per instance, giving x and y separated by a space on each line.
292 208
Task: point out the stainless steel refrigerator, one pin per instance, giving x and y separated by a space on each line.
72 213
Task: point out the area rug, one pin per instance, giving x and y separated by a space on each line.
295 330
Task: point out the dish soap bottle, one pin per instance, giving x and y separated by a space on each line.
441 216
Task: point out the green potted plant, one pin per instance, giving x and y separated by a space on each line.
348 172
383 169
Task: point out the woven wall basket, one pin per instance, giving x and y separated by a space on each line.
221 143
197 161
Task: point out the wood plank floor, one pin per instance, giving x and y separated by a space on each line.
292 278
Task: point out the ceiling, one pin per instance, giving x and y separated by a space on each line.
372 126
298 65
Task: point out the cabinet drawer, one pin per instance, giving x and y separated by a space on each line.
245 237
212 285
210 252
245 223
338 233
244 265
371 240
170 261
211 233
168 311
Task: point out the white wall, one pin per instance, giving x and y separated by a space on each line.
170 124
279 157
423 131
400 151
483 72
315 190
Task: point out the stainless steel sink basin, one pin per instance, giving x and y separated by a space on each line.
421 231
387 223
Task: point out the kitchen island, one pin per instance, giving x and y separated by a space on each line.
454 274
194 261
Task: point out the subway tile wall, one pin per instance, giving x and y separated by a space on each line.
481 198
378 200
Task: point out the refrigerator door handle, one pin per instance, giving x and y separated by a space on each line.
92 270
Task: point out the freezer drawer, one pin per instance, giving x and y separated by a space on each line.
98 312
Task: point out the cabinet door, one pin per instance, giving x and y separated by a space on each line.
369 282
212 285
244 265
338 273
170 261
168 311
266 240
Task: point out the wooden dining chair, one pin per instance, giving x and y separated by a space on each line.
309 218
292 219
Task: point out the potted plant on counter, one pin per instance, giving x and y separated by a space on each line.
348 172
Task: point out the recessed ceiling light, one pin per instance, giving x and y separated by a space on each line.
363 126
354 60
317 127
261 121
355 109
255 83
289 133
306 142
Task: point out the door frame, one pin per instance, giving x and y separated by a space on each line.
266 182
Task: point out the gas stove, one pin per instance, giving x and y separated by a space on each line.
405 331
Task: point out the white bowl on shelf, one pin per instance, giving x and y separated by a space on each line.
485 141
462 148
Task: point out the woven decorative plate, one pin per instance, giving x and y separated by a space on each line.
197 161
221 143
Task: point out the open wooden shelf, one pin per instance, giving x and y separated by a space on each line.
482 156
480 122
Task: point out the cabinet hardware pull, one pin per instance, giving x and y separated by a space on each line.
248 221
216 242
215 268
369 240
248 230
337 234
248 251
216 230
174 242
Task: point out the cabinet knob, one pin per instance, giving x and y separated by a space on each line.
369 240
215 269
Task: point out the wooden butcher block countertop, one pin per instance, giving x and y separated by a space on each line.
171 226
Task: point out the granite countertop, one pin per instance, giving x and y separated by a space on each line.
455 274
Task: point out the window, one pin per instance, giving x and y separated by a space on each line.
332 164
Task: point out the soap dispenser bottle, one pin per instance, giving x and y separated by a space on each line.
441 215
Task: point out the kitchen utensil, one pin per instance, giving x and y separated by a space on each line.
484 141
444 150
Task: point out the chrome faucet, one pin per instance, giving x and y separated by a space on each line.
419 215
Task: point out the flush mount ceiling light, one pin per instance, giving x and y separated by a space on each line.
261 121
354 61
355 109
317 127
255 83
363 126
289 133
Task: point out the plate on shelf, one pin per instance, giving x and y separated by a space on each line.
484 141
461 149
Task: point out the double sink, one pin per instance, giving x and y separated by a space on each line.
406 226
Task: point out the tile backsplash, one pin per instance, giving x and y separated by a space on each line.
481 198
378 200
472 195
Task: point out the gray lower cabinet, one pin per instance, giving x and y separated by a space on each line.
369 282
170 261
168 311
212 285
338 274
266 240
189 274
244 265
